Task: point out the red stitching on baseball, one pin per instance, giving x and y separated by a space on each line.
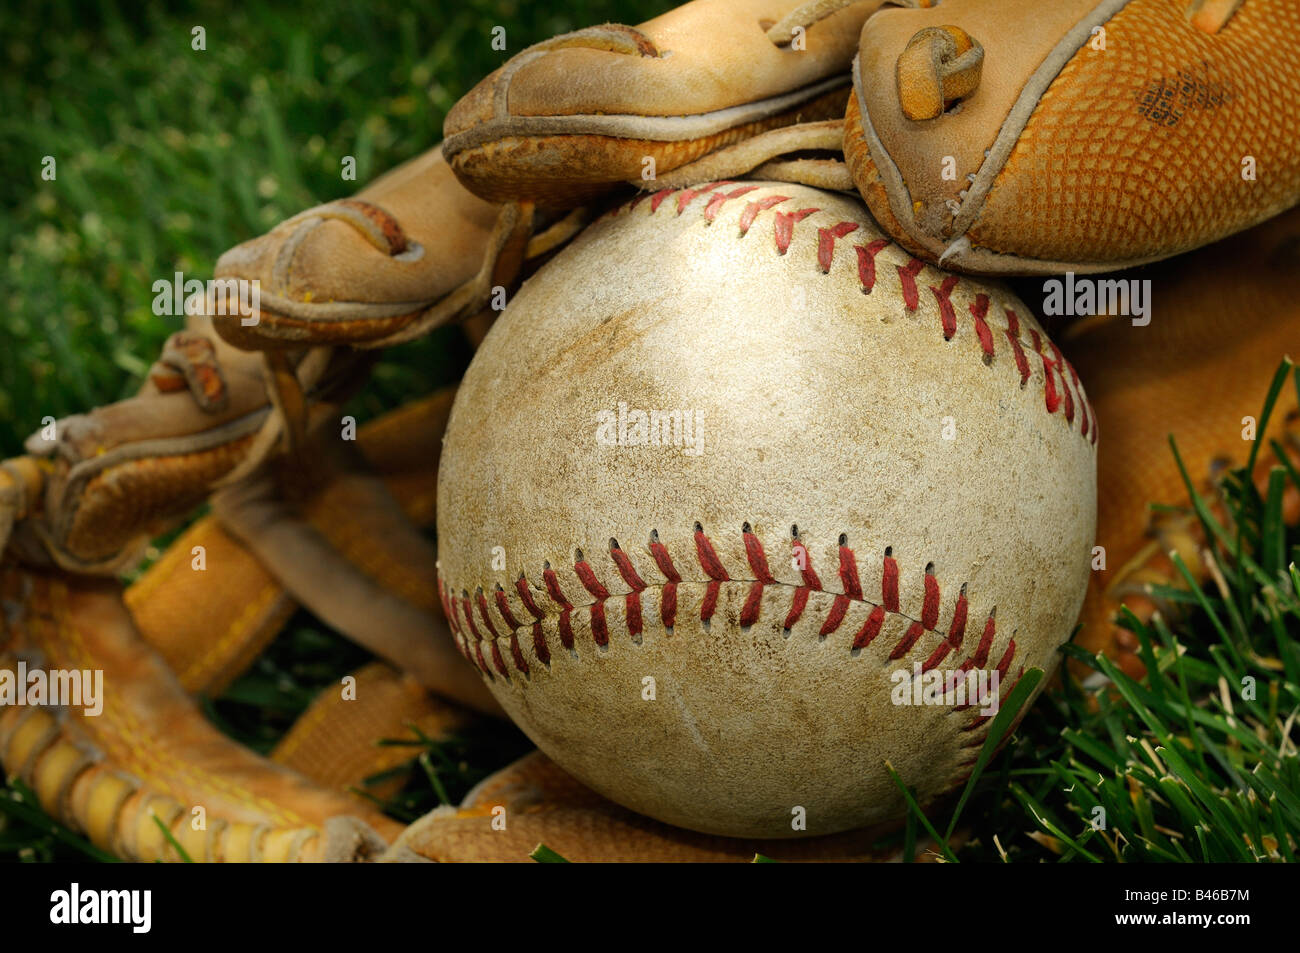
930 608
757 558
1005 662
914 633
589 580
481 602
668 605
826 242
1056 395
1049 377
539 645
526 597
566 607
981 656
664 562
839 608
957 630
658 198
710 604
753 602
849 574
760 205
1059 368
938 655
979 309
804 558
750 612
784 228
907 275
709 560
1013 335
889 584
685 197
469 617
633 604
626 569
498 661
720 199
943 294
503 606
798 602
867 262
521 663
870 629
482 662
599 630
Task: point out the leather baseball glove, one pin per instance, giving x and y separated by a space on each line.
247 414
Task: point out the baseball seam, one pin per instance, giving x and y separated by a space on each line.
460 609
1062 390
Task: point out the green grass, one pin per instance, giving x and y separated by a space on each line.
1197 761
166 157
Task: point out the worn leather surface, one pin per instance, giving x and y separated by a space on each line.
339 742
117 474
323 278
1070 157
347 551
151 751
543 805
712 55
210 625
822 410
564 120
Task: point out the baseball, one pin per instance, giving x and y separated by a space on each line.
734 482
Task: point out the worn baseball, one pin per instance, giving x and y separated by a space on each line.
739 502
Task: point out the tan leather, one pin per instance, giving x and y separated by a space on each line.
1224 318
566 119
1068 157
338 540
363 270
210 625
823 416
357 741
150 751
545 806
119 474
809 153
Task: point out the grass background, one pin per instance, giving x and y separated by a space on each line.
167 156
